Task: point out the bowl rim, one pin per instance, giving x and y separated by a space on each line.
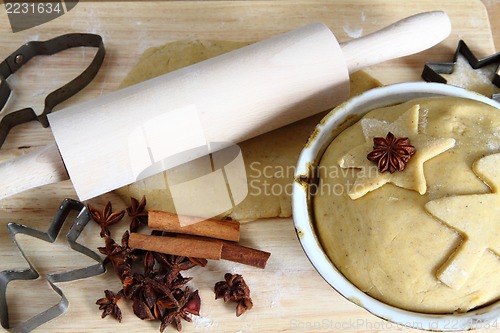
303 220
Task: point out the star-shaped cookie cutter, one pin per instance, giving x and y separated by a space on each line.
50 235
432 70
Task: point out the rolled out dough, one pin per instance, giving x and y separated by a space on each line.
269 159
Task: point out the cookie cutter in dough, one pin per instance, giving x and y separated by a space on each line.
50 235
432 70
34 48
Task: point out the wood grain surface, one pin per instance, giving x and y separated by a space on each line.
289 295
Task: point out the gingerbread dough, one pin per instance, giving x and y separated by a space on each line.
394 242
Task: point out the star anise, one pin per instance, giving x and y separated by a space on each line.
137 213
149 263
186 303
144 301
179 263
120 256
158 291
391 153
109 306
234 288
105 218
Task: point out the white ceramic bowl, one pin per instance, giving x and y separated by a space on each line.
484 317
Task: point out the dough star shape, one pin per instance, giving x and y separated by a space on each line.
412 177
478 226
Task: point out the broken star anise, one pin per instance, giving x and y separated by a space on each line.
234 288
109 306
391 153
105 218
137 213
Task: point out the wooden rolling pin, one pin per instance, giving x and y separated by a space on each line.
121 137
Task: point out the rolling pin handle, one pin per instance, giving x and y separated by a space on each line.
33 169
407 36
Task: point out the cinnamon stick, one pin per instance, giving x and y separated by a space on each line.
244 255
197 248
200 247
236 253
221 229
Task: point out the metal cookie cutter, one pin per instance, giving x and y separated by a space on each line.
432 70
31 49
30 274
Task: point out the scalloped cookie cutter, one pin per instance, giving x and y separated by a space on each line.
50 236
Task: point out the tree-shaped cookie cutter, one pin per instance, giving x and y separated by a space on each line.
432 70
50 235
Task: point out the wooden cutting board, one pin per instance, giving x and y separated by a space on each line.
289 295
